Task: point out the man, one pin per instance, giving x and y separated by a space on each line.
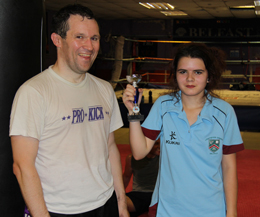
62 122
144 173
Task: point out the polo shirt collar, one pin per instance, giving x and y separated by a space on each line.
206 112
175 106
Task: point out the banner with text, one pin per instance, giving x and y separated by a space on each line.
217 30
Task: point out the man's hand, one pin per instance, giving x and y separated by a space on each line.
122 207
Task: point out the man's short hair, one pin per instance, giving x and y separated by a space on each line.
60 19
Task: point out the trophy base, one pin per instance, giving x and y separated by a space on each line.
133 118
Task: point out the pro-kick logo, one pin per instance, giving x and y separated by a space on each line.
78 116
95 113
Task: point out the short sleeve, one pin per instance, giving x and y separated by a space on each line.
232 138
27 114
116 119
153 123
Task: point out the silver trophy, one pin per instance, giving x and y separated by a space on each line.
134 79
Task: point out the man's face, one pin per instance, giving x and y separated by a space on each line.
80 48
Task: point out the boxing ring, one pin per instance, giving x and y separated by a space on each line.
244 99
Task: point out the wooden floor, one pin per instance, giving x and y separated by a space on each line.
251 139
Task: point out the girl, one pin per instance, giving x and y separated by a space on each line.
199 137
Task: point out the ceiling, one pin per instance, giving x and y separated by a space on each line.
130 9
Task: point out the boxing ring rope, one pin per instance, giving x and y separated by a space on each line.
183 42
157 60
123 80
142 59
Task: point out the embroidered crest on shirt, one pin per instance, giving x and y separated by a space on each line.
214 145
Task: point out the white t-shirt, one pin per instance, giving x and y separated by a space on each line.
72 123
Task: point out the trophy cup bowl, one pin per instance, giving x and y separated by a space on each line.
136 116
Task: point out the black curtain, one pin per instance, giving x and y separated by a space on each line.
21 25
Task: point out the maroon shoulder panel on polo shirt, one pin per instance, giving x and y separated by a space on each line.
233 148
151 134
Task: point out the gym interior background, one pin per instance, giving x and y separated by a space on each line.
149 41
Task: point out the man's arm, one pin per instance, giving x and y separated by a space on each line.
115 161
230 183
24 154
128 171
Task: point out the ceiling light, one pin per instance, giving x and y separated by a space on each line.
257 3
173 13
151 5
157 5
145 5
244 7
170 6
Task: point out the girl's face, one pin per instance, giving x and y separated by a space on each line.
191 76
